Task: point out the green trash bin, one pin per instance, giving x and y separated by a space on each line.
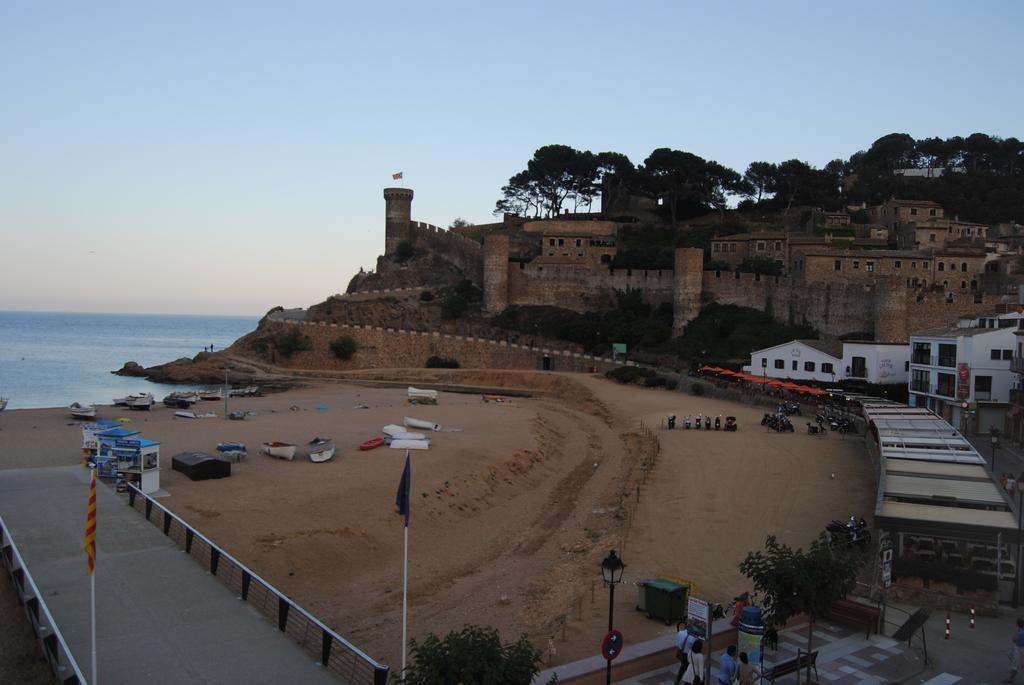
662 599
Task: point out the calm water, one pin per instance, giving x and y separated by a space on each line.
53 359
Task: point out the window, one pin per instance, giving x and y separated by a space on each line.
717 247
578 242
732 247
838 265
994 354
963 266
942 267
1007 355
869 267
922 353
913 265
947 355
968 231
983 387
856 264
778 245
924 265
952 266
760 246
561 242
858 367
779 364
963 285
795 364
913 211
946 385
906 367
808 366
826 367
551 241
898 264
931 237
931 212
919 380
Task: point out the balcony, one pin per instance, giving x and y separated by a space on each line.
949 362
920 386
921 357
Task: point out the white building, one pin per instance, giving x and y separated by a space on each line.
828 361
965 365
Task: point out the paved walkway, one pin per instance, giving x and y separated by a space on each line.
845 657
160 617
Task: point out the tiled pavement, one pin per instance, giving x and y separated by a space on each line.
845 657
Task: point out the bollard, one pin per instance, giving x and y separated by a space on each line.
592 592
972 617
947 625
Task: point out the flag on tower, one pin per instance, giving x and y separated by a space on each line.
397 177
90 524
402 498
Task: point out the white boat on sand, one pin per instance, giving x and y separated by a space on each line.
321 449
82 411
281 450
142 401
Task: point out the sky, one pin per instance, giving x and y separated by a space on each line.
227 157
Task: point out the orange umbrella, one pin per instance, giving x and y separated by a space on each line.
727 372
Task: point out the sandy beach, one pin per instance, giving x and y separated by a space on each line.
513 507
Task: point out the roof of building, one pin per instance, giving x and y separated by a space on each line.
902 254
833 348
765 235
918 203
955 332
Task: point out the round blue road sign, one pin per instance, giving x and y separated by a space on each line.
611 645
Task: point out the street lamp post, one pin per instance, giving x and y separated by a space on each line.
995 446
1020 525
611 570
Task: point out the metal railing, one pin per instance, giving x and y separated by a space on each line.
62 663
334 652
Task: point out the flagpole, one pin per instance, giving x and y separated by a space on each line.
405 597
92 602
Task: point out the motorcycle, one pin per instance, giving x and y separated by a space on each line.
686 422
853 532
671 421
718 422
696 422
814 429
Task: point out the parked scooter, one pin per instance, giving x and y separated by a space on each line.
686 422
671 421
814 429
696 422
718 422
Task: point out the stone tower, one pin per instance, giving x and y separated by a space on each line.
689 282
397 214
891 312
496 248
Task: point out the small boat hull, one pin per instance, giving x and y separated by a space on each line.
140 402
281 450
372 444
82 411
322 451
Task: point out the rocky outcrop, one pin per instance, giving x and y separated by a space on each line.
130 369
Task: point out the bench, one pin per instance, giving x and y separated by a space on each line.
801 661
856 613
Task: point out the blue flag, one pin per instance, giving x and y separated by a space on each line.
402 498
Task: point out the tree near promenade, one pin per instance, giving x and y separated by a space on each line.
795 582
474 654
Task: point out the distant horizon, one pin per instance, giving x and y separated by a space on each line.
111 313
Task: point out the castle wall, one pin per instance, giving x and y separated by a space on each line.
888 310
389 348
465 253
688 285
495 277
581 289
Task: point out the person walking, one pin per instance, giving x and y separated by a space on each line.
1017 652
748 673
684 645
727 669
694 674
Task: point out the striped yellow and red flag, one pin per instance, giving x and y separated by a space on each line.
90 524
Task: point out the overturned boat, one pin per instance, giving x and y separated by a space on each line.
321 449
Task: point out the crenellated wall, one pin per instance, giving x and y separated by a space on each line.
387 348
465 253
581 289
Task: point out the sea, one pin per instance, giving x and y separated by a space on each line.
51 359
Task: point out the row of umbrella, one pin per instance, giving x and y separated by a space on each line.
772 382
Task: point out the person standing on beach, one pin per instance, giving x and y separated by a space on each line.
1017 652
684 644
